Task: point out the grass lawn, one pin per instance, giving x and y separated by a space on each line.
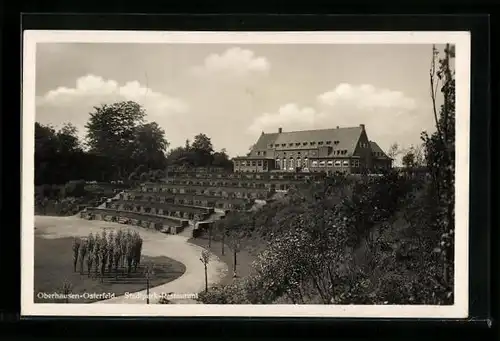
243 258
54 266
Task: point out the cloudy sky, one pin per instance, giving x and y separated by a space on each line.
233 93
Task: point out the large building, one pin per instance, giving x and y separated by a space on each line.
342 150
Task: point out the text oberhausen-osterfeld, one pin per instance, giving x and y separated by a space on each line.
85 296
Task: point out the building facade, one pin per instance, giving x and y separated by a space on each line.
340 150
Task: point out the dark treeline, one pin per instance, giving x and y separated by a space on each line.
119 145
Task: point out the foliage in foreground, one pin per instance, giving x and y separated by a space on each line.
367 242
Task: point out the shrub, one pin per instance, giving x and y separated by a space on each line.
75 188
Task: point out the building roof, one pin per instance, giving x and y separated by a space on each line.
348 138
252 158
376 149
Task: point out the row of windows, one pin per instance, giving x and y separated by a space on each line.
251 163
335 152
330 163
296 144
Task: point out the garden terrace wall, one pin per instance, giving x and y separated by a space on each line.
250 176
235 192
190 199
141 218
166 209
246 183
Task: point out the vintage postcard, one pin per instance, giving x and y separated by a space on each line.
307 174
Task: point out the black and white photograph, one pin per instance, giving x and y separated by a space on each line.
245 173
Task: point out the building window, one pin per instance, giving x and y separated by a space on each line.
259 163
328 142
277 163
298 162
264 153
265 165
320 142
236 163
330 163
271 145
304 143
258 153
346 163
253 163
283 144
322 164
337 163
355 163
315 163
290 145
284 164
243 163
312 143
297 144
276 145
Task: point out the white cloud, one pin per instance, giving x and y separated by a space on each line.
289 115
389 116
94 90
234 62
367 97
64 104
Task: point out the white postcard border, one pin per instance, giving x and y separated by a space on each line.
458 310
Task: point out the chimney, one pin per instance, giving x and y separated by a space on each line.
280 130
362 126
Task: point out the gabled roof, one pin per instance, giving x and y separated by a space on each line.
376 149
347 137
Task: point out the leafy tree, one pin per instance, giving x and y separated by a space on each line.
440 155
205 259
221 159
409 159
112 130
202 150
394 150
151 145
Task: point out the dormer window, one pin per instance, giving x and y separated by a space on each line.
336 142
290 145
328 142
283 144
320 142
313 143
276 145
297 144
304 143
271 145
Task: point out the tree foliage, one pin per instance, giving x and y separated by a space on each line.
118 141
109 253
199 153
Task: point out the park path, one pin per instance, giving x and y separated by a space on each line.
155 244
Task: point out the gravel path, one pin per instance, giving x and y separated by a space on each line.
155 244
